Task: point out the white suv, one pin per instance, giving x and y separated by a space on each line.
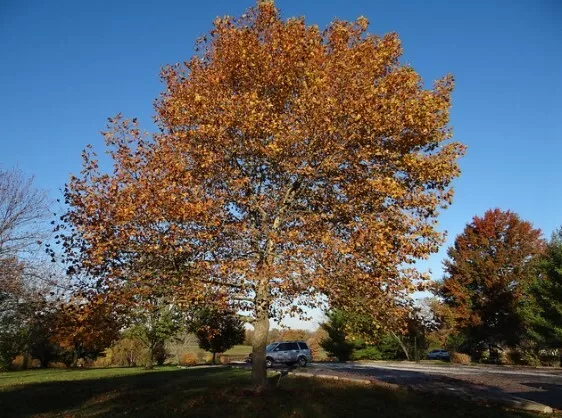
287 352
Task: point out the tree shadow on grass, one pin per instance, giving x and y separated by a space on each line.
109 395
220 392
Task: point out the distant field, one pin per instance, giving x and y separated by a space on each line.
239 350
236 352
211 392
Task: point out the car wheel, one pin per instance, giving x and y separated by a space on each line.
268 363
302 361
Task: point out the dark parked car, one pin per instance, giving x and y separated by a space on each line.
287 352
438 355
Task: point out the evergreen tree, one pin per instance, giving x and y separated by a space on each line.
337 344
546 320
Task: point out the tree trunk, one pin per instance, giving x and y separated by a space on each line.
402 346
44 360
149 358
131 359
261 329
74 358
214 357
25 360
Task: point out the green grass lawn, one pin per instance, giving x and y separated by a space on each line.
211 392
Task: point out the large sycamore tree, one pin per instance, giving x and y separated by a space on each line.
488 274
293 166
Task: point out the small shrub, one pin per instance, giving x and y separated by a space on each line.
550 359
318 353
57 365
188 359
105 360
367 353
224 359
460 358
526 358
519 356
485 356
506 358
531 359
17 362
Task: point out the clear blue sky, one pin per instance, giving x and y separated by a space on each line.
67 65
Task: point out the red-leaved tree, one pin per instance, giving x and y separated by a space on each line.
487 276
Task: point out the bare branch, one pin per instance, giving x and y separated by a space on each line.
23 209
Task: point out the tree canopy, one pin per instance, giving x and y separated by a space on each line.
488 274
292 164
216 331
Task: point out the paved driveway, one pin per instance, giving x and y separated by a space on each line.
539 385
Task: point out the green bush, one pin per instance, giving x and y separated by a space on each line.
10 346
367 353
551 358
390 349
520 356
530 359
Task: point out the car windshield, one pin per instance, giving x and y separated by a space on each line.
270 347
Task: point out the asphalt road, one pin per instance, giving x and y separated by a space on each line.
539 385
